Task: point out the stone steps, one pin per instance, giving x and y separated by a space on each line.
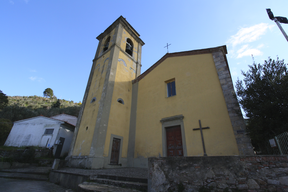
96 187
32 170
113 183
25 176
31 173
95 179
119 178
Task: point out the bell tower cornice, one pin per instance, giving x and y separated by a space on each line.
121 20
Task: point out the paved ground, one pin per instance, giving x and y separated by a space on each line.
124 172
17 185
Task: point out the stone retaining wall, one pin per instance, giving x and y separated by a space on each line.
7 165
225 173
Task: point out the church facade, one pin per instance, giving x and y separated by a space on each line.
183 105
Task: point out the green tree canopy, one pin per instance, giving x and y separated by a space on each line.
5 128
48 93
3 100
264 98
57 104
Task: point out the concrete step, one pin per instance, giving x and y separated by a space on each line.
121 183
96 187
119 178
29 170
28 173
26 176
74 178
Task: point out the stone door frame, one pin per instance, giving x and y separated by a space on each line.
169 122
110 148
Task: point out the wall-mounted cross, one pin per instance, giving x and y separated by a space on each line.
167 47
202 135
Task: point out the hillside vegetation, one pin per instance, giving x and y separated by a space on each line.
22 107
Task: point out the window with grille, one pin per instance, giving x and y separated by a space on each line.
48 131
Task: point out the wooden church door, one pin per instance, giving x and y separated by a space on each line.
115 152
174 141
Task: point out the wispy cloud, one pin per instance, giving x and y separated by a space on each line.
249 34
245 50
39 79
33 70
12 2
260 46
32 78
242 44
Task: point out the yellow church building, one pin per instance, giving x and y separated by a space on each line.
183 105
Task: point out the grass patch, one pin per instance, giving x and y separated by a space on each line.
9 148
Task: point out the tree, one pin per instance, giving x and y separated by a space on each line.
264 99
48 93
15 113
3 100
57 104
5 128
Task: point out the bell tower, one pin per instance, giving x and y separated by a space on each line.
102 130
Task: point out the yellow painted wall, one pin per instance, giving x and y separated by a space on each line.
119 117
198 96
84 137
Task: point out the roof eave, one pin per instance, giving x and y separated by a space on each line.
222 48
126 25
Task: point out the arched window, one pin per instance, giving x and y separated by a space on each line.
129 46
106 44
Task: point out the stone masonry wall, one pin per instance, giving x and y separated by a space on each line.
221 173
239 127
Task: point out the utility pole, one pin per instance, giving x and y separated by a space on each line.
278 20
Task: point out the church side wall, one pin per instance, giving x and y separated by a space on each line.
198 97
239 127
88 122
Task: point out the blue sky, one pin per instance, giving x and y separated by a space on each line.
49 43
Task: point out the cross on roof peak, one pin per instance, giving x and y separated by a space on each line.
167 47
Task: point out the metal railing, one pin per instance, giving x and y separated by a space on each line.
280 146
282 143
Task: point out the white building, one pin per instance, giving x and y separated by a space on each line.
67 118
42 132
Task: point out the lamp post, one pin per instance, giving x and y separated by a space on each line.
278 20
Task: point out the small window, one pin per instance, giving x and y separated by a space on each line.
120 101
106 44
49 131
94 99
171 88
129 46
